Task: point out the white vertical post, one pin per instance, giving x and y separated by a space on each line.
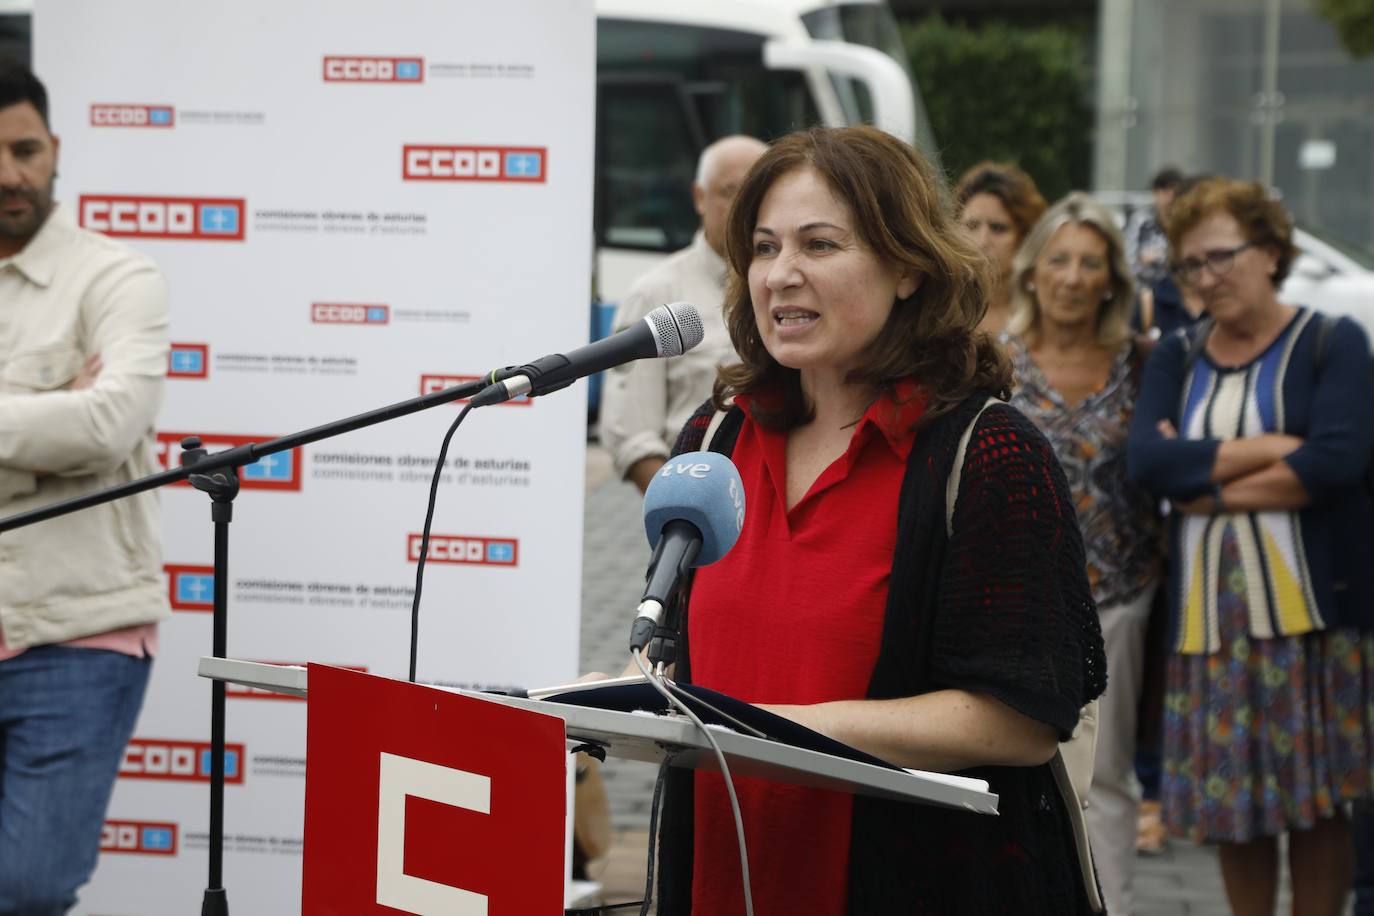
1115 103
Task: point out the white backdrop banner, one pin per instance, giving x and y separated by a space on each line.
354 203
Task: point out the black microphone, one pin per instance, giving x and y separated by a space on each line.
693 513
669 330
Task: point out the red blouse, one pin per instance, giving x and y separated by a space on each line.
793 614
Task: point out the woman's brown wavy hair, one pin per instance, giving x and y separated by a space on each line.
901 213
1013 188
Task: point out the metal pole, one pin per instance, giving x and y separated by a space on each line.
1115 104
222 486
1270 99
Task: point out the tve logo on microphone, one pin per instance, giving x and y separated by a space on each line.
152 838
281 471
190 588
194 218
464 549
374 69
343 313
177 761
699 470
133 116
188 360
474 163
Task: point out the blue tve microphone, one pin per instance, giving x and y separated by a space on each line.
693 513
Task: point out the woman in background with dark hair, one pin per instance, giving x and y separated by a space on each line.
854 304
1258 425
998 203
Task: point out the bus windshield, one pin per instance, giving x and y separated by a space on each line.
664 91
864 24
870 25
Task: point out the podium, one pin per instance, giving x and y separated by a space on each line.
488 727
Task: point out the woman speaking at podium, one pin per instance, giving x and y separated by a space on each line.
851 603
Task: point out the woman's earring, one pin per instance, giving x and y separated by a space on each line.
1030 287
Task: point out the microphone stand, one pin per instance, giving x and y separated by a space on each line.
661 653
217 475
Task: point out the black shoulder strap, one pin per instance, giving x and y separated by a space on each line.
1325 325
1201 331
727 432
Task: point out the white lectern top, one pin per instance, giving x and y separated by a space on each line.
653 737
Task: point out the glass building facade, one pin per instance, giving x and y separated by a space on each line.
1256 89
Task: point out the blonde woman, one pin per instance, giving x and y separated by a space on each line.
1077 374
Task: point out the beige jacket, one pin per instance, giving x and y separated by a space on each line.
645 403
67 295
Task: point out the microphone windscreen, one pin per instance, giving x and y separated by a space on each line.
703 488
677 328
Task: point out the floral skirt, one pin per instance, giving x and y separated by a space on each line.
1266 735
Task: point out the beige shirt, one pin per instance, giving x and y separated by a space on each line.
68 294
645 404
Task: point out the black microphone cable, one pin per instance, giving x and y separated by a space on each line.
724 772
424 537
647 903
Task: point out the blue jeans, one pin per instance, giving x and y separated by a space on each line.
66 716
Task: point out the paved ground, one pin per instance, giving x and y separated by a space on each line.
1183 881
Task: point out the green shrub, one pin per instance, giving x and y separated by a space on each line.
1354 22
1008 94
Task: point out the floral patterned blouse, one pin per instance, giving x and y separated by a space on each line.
1120 522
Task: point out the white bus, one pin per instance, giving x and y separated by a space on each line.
672 77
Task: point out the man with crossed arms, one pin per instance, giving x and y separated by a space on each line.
83 356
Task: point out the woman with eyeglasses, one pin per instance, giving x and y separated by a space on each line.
1077 370
998 204
1258 426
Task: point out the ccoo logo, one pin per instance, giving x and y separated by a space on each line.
458 548
188 360
200 218
432 383
177 761
281 471
473 163
190 588
133 116
243 692
153 838
505 792
374 69
341 313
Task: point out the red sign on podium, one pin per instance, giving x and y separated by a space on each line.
422 801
